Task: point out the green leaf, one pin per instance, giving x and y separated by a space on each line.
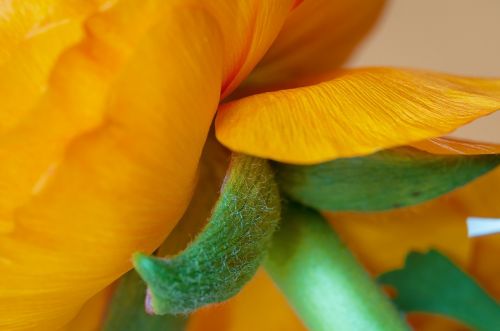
228 251
385 180
126 312
431 283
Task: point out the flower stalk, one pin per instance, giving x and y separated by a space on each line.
322 280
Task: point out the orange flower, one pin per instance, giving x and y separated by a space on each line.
107 104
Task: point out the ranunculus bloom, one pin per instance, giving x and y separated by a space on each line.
106 106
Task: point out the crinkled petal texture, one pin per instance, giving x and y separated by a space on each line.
453 146
355 113
318 36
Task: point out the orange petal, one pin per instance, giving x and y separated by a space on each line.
485 264
382 240
259 306
318 36
248 28
93 312
451 146
106 162
481 199
429 322
356 113
212 170
33 34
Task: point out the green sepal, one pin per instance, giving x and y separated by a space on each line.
385 180
228 251
431 283
126 311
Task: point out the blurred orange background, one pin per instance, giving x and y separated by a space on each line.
455 36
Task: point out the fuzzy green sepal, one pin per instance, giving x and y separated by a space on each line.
385 180
228 251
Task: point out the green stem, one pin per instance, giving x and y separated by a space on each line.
324 283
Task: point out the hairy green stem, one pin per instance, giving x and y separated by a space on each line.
322 280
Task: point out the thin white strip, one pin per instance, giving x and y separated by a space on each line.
480 226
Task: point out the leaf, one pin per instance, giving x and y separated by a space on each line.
385 180
228 251
431 283
126 312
